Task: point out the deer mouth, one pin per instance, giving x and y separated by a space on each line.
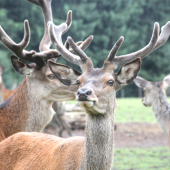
87 103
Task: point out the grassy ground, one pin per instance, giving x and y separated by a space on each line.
132 110
142 159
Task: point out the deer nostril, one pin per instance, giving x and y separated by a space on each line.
88 92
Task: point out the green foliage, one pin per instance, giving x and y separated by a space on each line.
143 159
106 20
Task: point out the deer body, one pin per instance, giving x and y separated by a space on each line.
155 96
57 149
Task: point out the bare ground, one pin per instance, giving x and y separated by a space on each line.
133 135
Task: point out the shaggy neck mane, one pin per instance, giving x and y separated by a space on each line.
161 108
98 153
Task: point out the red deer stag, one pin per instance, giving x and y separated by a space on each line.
155 96
97 92
4 92
29 109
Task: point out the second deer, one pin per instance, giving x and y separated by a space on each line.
155 96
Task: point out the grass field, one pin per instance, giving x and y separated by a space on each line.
154 158
132 110
142 159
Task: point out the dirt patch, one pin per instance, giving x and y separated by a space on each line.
134 135
139 135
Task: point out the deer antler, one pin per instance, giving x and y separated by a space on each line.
57 43
45 42
40 58
18 49
155 42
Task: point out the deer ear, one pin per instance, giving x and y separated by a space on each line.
20 66
63 73
141 82
127 73
166 81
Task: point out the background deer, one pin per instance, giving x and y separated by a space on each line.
155 96
97 92
29 109
4 92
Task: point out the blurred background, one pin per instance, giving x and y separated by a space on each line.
139 141
106 20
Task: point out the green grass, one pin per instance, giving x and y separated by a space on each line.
142 159
71 101
132 110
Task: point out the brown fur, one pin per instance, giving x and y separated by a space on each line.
14 116
41 152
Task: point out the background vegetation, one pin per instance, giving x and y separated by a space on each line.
106 20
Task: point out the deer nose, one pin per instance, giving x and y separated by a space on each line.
83 94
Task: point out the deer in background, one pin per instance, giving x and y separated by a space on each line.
30 108
155 96
97 92
4 92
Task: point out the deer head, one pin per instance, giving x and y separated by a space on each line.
97 87
152 88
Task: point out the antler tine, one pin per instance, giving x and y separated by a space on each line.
114 50
57 43
121 60
24 43
82 45
81 53
165 32
45 6
68 21
18 49
9 43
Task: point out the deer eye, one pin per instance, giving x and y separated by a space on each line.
110 82
51 76
77 82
